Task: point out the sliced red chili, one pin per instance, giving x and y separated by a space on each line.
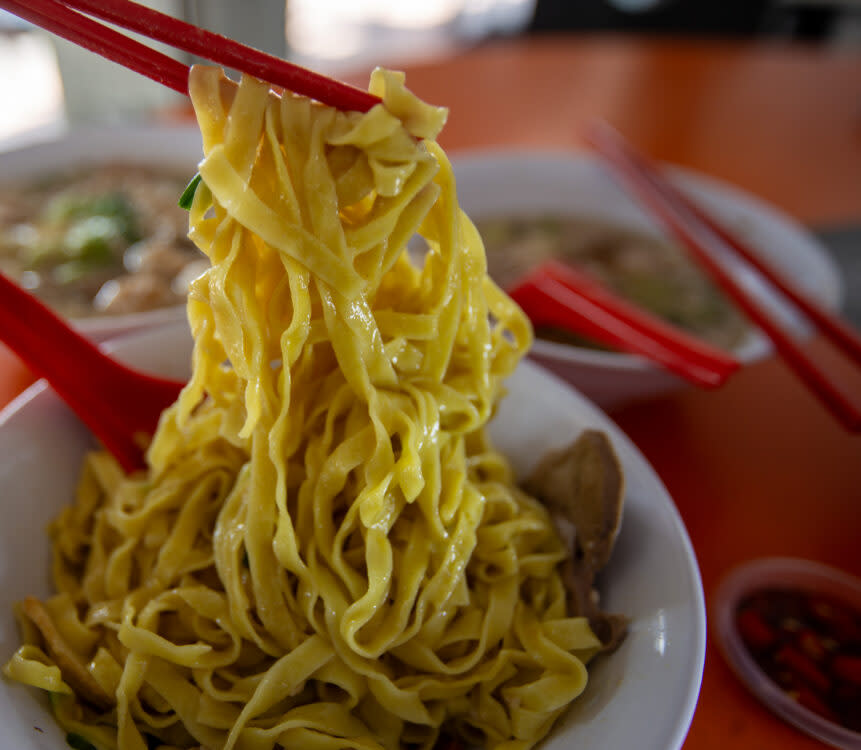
809 644
754 630
847 668
804 668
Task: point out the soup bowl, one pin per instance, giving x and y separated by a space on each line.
571 186
161 150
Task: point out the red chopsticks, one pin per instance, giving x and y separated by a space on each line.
55 17
696 231
66 19
557 295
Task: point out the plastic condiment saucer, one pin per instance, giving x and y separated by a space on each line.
781 573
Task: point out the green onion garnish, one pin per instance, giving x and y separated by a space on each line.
188 194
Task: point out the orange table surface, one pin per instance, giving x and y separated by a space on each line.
757 468
782 121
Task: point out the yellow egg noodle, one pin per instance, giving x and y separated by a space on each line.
325 552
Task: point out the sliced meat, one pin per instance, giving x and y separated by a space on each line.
583 488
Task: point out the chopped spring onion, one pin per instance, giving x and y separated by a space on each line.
188 194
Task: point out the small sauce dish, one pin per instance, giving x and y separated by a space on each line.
791 631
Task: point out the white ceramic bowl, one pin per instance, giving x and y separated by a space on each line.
642 696
176 148
527 183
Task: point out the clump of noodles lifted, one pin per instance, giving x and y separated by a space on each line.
325 552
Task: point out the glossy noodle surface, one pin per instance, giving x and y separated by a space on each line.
325 551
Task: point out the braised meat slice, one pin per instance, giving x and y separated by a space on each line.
583 488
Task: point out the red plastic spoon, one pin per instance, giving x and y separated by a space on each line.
120 405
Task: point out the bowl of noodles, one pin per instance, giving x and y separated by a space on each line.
90 224
366 522
641 695
533 206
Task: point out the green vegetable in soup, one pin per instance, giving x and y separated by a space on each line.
90 230
92 239
71 272
69 207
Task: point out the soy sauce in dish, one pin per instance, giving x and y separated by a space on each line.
809 645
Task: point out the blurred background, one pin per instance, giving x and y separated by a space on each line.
55 84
